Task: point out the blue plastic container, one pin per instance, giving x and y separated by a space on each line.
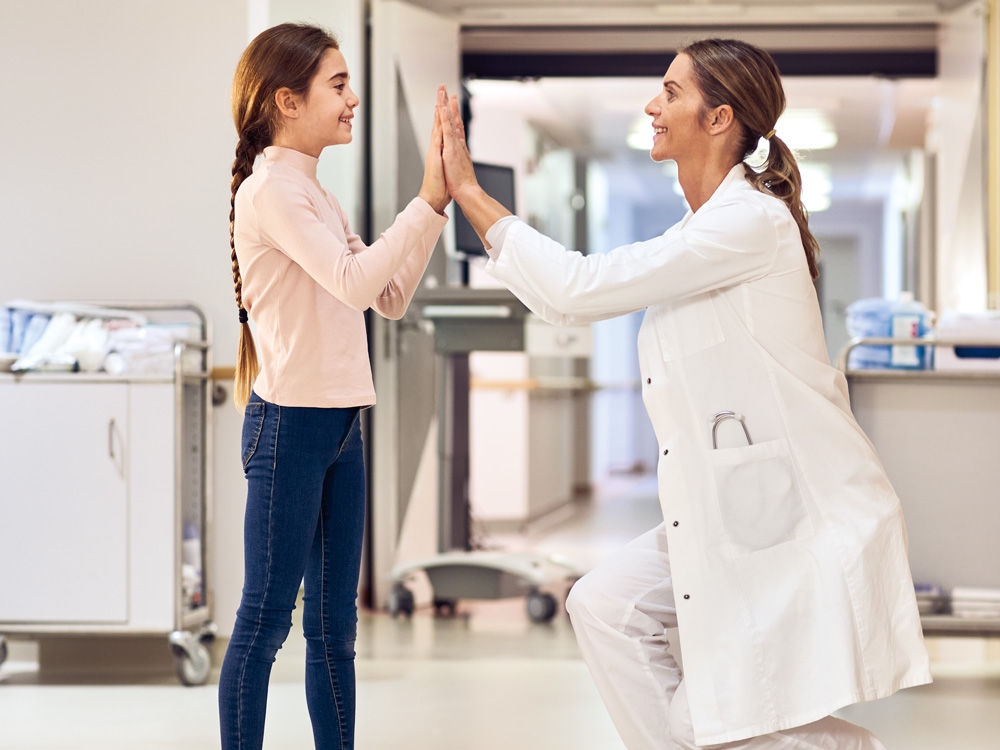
908 320
869 318
876 317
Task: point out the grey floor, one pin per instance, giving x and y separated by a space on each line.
485 679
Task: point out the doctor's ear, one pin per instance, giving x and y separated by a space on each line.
720 119
288 102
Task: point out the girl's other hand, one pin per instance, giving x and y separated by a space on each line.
434 190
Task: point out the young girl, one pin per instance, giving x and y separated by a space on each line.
306 279
781 562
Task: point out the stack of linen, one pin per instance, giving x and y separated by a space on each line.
975 602
77 337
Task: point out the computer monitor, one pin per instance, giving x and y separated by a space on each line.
496 180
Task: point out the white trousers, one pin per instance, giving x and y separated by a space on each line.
621 612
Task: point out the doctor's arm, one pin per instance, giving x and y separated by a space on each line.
726 243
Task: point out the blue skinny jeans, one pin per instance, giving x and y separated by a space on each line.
304 524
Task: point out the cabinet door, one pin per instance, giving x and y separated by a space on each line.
63 502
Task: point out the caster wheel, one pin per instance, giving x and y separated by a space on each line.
192 668
3 649
400 601
192 657
541 606
445 607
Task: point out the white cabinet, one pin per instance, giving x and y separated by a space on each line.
87 504
63 503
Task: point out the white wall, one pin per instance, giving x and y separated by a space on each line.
118 146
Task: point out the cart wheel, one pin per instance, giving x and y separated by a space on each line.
541 606
400 601
3 649
192 668
445 607
192 659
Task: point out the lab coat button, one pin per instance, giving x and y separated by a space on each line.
687 596
666 451
677 523
648 381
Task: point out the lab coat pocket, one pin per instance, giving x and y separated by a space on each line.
688 327
759 495
253 422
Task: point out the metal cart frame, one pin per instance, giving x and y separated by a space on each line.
193 630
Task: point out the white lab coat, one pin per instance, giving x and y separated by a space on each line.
789 562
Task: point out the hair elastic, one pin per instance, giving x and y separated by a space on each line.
769 135
243 315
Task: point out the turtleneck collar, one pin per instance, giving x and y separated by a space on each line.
296 159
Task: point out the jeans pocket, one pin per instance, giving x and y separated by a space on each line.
253 423
759 495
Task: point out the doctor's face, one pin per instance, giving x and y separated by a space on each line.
678 113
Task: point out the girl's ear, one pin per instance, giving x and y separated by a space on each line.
287 102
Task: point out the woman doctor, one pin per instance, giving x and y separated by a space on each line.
782 560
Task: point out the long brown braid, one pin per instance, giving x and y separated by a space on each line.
284 56
745 77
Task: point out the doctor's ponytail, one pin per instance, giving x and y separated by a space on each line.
729 71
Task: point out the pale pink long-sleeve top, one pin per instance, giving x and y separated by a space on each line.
307 280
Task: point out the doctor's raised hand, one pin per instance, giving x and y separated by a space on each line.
781 560
479 208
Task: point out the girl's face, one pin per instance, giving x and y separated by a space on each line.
678 113
328 106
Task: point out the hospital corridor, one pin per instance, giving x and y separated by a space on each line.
726 271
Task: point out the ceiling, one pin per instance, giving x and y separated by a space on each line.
874 117
586 12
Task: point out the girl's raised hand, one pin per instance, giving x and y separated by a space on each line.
434 190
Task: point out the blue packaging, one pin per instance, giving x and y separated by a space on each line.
869 318
5 346
908 320
877 317
18 324
36 325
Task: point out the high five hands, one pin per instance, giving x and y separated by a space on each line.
458 171
479 208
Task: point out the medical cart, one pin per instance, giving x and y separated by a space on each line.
105 498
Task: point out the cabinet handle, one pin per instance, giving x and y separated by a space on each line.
112 439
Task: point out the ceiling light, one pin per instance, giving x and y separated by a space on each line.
806 130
